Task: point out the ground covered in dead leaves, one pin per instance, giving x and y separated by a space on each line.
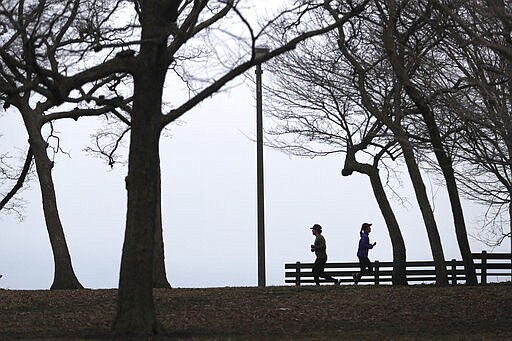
274 313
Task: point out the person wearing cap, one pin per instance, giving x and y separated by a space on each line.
365 265
319 248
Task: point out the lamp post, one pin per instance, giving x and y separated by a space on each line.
259 51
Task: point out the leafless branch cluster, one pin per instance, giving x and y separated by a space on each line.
352 90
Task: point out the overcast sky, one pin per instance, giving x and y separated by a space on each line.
209 206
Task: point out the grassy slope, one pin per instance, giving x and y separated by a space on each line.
273 313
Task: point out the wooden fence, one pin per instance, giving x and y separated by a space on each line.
490 267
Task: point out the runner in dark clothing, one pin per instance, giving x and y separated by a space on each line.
319 248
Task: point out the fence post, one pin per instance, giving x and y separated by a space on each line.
376 274
483 272
453 271
297 274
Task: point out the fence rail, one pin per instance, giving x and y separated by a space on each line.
487 265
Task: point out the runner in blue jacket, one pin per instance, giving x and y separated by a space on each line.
362 252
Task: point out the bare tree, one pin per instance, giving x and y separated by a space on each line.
480 50
392 110
17 78
23 28
405 49
319 112
164 33
135 312
387 48
148 68
372 71
428 45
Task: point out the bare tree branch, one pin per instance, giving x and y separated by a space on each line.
19 183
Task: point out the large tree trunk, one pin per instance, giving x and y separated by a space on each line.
136 314
426 211
64 275
136 311
397 242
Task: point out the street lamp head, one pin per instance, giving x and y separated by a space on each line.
260 51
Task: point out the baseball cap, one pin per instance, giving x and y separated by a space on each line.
316 227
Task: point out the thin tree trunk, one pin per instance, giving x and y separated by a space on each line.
426 212
445 163
442 158
397 242
388 38
64 275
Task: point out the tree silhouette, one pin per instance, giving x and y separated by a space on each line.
146 39
319 111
